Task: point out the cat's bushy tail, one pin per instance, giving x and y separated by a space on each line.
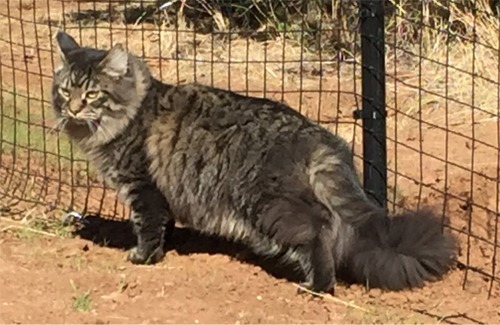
392 252
400 252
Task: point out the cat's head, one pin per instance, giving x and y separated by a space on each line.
97 93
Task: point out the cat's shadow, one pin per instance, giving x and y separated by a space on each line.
118 234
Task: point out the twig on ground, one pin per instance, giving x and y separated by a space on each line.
331 298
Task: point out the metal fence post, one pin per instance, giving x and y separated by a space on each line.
373 113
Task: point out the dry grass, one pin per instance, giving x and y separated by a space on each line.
35 222
443 68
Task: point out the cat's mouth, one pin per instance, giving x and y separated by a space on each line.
81 121
82 118
78 121
91 124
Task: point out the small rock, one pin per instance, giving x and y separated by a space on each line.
374 293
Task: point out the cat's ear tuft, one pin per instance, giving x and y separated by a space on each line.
65 44
115 63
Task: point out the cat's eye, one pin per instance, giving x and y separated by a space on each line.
92 94
64 92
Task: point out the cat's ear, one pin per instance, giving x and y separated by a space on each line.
115 63
65 44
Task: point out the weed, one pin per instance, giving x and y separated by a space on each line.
123 285
25 233
81 300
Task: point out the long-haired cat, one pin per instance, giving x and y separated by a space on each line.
247 169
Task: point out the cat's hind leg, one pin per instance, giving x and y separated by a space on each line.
305 229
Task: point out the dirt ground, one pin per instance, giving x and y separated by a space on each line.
43 280
51 274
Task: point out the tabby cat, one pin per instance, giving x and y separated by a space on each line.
247 169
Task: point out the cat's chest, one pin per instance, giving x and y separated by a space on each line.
120 165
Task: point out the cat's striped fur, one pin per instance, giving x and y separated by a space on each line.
247 169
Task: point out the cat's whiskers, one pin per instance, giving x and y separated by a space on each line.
61 123
92 126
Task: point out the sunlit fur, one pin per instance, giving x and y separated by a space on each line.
243 168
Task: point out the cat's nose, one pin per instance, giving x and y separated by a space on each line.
77 107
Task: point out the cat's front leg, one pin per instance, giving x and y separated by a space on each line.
151 218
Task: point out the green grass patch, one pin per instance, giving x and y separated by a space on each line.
28 132
24 126
81 300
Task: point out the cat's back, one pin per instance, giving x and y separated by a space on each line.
198 108
193 118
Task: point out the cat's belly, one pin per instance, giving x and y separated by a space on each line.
211 218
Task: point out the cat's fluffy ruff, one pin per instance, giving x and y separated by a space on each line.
247 169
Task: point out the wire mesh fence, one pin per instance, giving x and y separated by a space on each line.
443 104
442 93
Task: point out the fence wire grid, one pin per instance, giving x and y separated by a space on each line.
442 94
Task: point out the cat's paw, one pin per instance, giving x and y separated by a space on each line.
309 288
139 256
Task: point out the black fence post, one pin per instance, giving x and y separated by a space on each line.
373 111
